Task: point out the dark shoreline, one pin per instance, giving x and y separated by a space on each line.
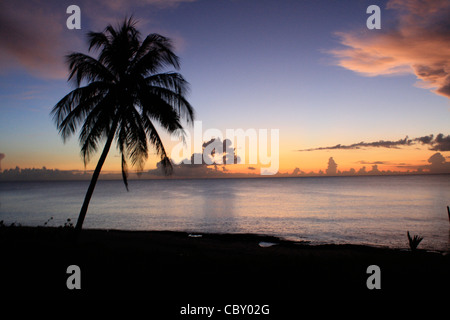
173 266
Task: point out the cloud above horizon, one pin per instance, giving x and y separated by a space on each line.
216 155
35 38
125 4
2 156
418 43
438 143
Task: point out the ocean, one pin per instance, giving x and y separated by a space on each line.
368 210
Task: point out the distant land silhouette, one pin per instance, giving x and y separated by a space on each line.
437 165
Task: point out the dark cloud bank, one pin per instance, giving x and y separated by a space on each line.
438 143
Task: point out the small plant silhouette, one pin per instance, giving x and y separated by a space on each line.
414 241
68 224
46 222
14 224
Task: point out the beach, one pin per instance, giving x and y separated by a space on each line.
180 267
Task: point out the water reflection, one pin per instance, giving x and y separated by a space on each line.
218 205
369 210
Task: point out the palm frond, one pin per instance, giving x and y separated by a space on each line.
124 171
155 53
72 110
173 88
83 67
98 40
134 138
171 100
156 141
96 126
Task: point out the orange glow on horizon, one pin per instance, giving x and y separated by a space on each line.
385 159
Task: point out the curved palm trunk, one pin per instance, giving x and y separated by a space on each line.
94 179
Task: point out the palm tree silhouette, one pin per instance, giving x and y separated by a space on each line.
124 94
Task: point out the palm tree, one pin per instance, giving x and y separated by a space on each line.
121 96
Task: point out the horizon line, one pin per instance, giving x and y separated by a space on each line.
44 174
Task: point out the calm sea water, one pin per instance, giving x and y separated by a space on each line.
359 210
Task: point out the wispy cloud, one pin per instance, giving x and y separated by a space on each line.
126 4
359 145
373 162
34 36
438 143
418 43
2 156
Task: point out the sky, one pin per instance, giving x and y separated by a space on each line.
310 69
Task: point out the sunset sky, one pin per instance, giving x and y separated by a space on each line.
311 69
